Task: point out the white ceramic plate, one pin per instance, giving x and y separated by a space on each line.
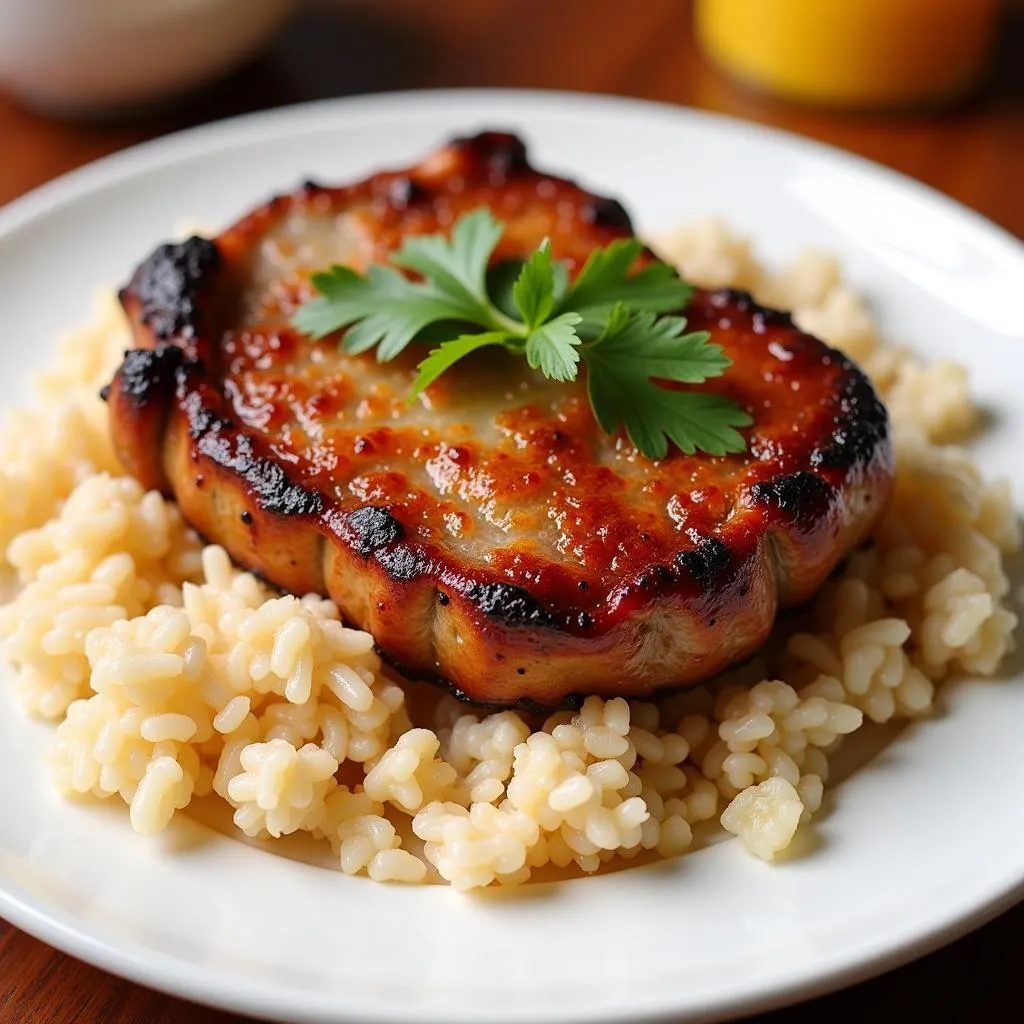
923 843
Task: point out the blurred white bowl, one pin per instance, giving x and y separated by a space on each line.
101 54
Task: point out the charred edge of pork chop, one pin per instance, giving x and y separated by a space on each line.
167 287
150 380
490 641
863 425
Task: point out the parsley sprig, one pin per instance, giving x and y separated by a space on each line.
614 320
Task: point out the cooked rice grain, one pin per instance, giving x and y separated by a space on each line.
113 552
63 436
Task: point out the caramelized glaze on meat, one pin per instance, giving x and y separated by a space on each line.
490 535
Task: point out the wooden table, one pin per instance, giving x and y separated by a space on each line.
334 48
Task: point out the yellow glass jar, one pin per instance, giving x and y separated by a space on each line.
852 53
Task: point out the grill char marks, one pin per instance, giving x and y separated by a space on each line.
373 528
402 563
706 562
743 302
608 213
860 426
219 442
491 536
512 606
801 498
149 374
265 478
140 399
167 287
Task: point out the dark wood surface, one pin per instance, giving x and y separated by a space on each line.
974 153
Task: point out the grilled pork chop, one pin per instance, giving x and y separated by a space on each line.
491 535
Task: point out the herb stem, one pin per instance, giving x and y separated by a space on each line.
500 322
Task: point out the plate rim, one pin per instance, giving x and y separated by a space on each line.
188 143
164 971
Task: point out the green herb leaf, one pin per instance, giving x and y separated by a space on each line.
387 309
501 281
448 353
457 267
552 349
654 416
534 290
608 317
657 347
620 366
605 281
